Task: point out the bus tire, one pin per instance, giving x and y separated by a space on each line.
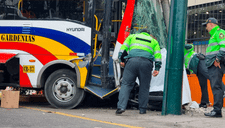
61 89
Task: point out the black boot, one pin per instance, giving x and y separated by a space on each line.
204 105
142 111
120 111
214 114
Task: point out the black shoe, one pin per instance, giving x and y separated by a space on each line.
142 112
213 114
204 105
120 111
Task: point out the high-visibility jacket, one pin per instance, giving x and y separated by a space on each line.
216 46
190 58
142 45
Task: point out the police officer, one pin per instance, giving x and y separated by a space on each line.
215 53
142 50
196 63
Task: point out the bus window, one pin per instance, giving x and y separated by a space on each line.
53 9
2 14
10 13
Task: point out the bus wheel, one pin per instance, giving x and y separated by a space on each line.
61 89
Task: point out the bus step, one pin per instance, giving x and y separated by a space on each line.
97 66
96 69
101 92
95 79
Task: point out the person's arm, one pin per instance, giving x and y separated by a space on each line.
124 50
158 58
221 42
122 60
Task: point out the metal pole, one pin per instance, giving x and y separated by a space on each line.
175 53
106 43
90 22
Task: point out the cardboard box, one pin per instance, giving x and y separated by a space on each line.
10 99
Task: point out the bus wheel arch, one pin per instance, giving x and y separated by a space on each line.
52 66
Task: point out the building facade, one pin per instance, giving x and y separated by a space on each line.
198 12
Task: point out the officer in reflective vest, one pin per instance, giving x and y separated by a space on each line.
196 63
142 51
215 54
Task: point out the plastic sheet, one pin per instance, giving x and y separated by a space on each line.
157 83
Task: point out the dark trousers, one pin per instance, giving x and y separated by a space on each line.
136 68
202 74
215 76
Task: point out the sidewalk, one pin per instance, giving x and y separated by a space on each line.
193 118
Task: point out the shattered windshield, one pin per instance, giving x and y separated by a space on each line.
148 14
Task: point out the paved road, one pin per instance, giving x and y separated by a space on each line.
36 118
41 114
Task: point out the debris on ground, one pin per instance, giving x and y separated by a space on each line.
193 108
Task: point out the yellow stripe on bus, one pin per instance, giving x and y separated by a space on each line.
58 49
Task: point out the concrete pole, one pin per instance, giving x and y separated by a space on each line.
172 94
166 12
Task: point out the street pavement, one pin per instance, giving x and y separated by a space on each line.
42 114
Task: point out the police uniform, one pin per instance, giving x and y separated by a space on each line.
142 50
197 65
216 51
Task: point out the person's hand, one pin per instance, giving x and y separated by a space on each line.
217 64
122 64
155 73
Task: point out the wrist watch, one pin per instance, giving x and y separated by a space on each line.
217 60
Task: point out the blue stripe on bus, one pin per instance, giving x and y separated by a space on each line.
74 43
